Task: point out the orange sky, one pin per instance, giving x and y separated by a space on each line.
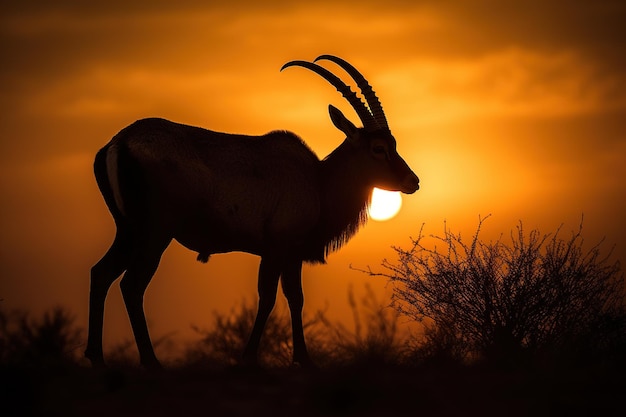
516 110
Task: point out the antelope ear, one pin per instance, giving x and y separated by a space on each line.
343 124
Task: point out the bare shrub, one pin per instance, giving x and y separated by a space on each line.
49 340
539 296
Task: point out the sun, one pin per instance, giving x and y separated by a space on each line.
385 204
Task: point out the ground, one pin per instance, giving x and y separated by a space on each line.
350 391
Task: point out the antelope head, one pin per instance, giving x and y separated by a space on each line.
378 157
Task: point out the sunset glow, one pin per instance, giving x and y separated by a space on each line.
517 109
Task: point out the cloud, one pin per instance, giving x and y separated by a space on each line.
508 83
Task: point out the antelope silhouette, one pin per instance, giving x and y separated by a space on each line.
216 192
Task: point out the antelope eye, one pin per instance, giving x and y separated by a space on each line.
379 150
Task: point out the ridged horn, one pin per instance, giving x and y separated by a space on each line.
369 123
369 94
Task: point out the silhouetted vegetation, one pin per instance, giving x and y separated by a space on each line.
533 299
51 340
223 342
367 369
375 338
540 299
545 314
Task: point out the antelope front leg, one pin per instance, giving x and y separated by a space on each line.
292 288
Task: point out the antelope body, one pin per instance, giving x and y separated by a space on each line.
215 192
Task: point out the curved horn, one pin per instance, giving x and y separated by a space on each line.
366 89
369 123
